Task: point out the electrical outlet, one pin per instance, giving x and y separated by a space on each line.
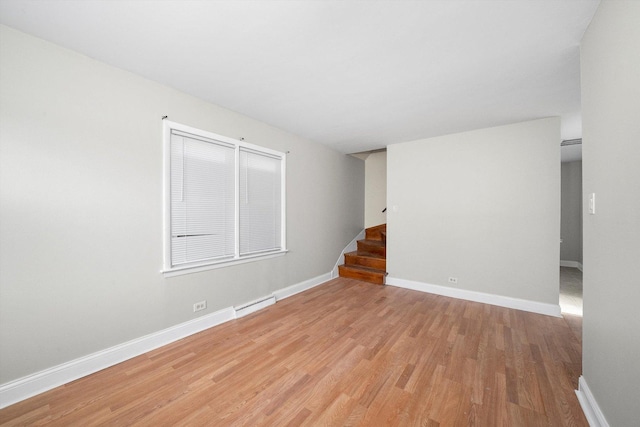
453 280
199 306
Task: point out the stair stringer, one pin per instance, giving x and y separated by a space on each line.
352 246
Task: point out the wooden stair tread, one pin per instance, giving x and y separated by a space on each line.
365 254
369 262
367 269
373 242
376 232
365 274
366 259
373 246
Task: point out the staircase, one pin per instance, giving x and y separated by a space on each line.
369 262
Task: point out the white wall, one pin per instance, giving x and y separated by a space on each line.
375 193
81 211
482 206
571 212
610 55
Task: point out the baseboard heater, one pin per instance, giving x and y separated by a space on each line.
253 306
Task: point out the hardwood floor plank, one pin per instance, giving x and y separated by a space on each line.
40 414
497 403
434 393
451 403
393 410
344 353
299 418
406 374
336 413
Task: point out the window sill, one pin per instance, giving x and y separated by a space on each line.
179 271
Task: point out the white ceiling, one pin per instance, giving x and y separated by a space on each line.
355 75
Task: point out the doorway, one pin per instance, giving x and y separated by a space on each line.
570 298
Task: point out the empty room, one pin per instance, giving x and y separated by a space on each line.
284 213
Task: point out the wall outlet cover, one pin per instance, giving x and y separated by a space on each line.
199 306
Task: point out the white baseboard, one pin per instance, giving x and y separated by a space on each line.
302 286
590 407
31 385
47 379
499 300
573 264
352 246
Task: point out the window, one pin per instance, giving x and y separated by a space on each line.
224 200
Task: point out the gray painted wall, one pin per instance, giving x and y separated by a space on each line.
81 211
571 212
611 165
375 191
482 206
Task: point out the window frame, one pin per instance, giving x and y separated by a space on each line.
192 267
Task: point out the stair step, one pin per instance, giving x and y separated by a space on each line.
369 262
364 274
364 259
375 233
376 247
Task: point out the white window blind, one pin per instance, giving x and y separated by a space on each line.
202 200
260 202
224 200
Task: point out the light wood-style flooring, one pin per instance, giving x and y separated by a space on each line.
343 353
